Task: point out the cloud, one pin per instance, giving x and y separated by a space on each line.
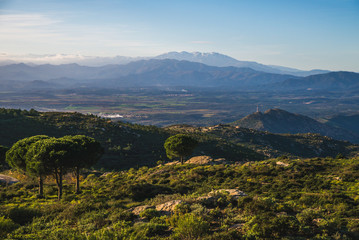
26 20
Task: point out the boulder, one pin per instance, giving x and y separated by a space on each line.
168 207
7 179
206 160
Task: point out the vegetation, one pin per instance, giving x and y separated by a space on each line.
248 198
41 156
180 145
285 198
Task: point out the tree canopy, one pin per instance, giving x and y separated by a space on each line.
41 156
180 145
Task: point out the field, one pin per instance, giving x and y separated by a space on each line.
155 106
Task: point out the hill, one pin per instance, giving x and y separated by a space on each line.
126 145
280 121
272 199
349 122
132 145
333 81
275 145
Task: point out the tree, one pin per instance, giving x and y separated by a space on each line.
3 150
85 152
50 156
16 156
180 145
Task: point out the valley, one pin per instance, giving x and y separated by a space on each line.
161 107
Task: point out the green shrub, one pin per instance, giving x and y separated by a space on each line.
121 215
23 215
149 213
150 229
191 227
6 226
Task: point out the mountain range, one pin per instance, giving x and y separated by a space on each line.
166 73
211 59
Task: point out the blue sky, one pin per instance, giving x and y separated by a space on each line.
304 34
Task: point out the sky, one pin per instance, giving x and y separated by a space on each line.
304 34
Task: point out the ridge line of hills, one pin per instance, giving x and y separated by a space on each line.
130 145
166 73
211 59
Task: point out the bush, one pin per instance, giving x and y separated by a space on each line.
150 229
191 227
22 215
150 213
6 226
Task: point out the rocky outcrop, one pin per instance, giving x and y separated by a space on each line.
139 209
168 207
234 193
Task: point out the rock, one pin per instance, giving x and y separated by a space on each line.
139 209
234 193
7 179
282 164
168 206
206 160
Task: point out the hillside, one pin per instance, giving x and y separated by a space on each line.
349 123
126 145
333 81
273 199
131 145
280 121
275 145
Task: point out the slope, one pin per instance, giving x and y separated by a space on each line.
280 121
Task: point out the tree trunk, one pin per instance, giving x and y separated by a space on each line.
59 183
41 187
181 160
77 180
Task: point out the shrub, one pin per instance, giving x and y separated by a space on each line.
23 215
6 226
150 229
191 227
149 213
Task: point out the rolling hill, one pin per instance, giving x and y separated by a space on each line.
280 121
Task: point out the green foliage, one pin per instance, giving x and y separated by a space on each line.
190 227
16 156
306 199
23 215
180 145
6 226
3 150
149 213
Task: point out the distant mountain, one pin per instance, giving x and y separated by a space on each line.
328 81
144 73
220 60
212 59
280 121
